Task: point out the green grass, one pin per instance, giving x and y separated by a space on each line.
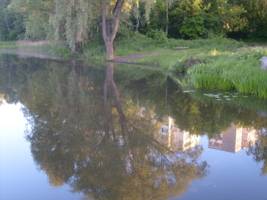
224 64
166 56
238 70
8 45
40 49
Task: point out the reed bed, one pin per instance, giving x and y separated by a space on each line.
238 70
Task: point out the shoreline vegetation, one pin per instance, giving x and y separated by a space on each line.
216 62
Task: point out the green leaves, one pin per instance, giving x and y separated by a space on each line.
192 27
158 35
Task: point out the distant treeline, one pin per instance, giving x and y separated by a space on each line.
187 19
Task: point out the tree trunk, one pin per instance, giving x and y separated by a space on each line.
110 27
78 47
167 16
109 49
7 24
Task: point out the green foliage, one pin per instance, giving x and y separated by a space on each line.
187 17
125 31
157 16
192 28
138 16
164 54
256 16
77 21
95 48
212 25
11 22
157 35
71 21
239 70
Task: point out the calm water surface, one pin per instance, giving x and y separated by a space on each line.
102 131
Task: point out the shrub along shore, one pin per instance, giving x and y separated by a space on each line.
211 63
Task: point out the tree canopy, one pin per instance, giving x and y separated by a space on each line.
76 22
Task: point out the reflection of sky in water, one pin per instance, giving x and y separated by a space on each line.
232 176
18 175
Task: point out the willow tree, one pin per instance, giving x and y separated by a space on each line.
74 18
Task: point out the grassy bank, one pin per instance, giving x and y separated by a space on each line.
39 49
239 70
162 52
8 45
212 63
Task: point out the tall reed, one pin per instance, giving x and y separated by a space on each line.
239 70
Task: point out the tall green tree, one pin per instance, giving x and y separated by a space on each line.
157 20
187 19
138 16
76 18
4 23
72 21
256 15
11 22
37 14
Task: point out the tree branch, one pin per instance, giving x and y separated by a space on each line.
128 23
116 21
103 13
98 7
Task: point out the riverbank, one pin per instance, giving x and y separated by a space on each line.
40 49
211 63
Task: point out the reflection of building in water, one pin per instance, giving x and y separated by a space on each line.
234 139
177 138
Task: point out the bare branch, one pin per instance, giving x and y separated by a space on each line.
128 23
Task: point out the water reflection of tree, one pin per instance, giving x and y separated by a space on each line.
146 87
65 104
106 152
259 150
202 117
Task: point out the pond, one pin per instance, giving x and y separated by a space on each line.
76 130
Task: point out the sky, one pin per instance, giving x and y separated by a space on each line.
19 177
